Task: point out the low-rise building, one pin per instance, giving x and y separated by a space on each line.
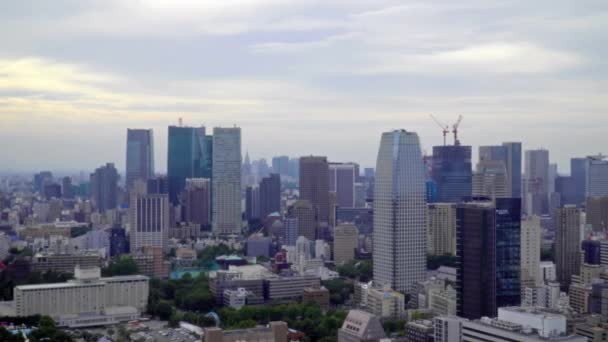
316 294
288 288
419 331
361 326
65 263
274 332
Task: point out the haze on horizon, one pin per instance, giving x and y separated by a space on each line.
299 77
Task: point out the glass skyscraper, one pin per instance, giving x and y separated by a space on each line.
140 155
508 242
185 158
452 172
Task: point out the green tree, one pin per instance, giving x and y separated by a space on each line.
122 265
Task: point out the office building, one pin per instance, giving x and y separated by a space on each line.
158 185
596 211
185 155
342 178
87 300
578 174
52 190
441 233
149 221
565 187
67 189
258 246
140 155
63 262
304 214
280 165
491 180
400 212
289 288
274 332
508 241
591 250
318 295
536 182
476 251
567 243
314 185
419 331
41 179
447 328
452 172
360 326
197 201
290 234
270 195
345 243
104 187
119 244
596 176
513 163
530 251
226 181
252 203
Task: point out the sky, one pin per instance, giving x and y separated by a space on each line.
299 77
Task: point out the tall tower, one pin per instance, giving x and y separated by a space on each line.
536 182
184 158
149 221
226 181
314 185
400 212
140 155
342 178
452 172
476 251
508 242
530 252
567 243
270 195
104 187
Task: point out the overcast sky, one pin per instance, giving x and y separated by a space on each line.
299 76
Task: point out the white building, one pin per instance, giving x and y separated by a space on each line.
441 234
447 328
546 325
530 251
149 220
226 181
547 271
400 212
87 300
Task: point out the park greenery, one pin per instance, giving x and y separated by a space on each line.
7 283
340 290
46 329
169 298
119 266
357 269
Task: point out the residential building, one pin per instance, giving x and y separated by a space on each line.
400 212
226 181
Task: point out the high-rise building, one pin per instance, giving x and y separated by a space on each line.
567 243
197 201
596 176
140 155
513 161
41 179
342 177
185 158
400 212
67 189
441 235
597 213
591 252
158 185
226 181
345 243
104 187
52 190
252 201
491 179
149 221
565 187
303 212
291 231
578 174
508 241
118 241
536 182
314 185
452 172
208 157
476 252
280 165
270 195
530 251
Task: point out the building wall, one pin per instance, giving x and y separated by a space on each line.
345 243
567 243
441 235
226 181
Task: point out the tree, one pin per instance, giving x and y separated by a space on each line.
122 265
164 310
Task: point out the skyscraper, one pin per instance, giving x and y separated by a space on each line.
536 182
280 165
184 158
104 186
400 212
342 177
596 180
140 155
597 213
513 161
67 190
452 172
441 236
491 179
197 201
578 174
566 190
270 195
226 181
303 212
530 251
345 243
149 219
508 242
567 243
314 185
476 251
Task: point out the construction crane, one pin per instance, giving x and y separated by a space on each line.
455 130
444 128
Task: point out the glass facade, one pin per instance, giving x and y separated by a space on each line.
508 242
185 157
452 172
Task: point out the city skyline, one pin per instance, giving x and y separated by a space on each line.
514 71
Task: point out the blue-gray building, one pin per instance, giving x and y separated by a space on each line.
591 250
185 157
508 242
119 244
140 155
452 172
510 154
578 173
